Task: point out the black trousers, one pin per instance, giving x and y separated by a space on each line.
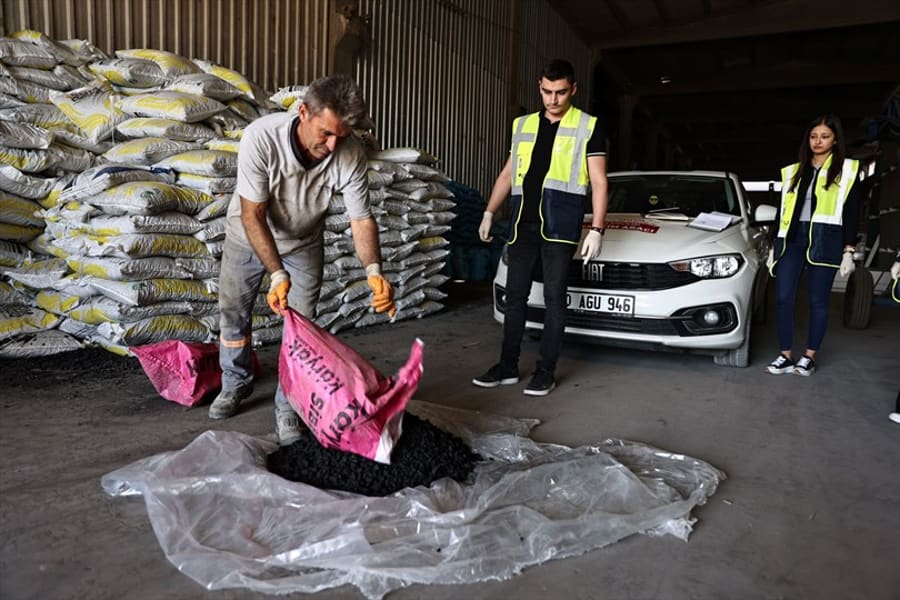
523 255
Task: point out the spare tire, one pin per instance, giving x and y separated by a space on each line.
858 299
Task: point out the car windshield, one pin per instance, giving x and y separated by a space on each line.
670 194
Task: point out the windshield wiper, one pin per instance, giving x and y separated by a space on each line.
659 210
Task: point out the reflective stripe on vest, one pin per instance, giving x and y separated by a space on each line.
567 179
825 242
568 168
829 202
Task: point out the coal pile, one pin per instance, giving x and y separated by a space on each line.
78 366
423 454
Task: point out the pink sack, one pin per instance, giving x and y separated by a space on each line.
344 400
183 372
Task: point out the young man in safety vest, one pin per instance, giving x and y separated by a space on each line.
558 156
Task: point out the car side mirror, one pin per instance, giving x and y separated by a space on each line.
765 213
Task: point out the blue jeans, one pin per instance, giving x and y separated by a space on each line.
239 280
788 270
523 255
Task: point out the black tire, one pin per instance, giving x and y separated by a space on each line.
858 299
761 314
740 356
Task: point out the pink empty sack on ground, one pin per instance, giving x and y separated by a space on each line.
181 372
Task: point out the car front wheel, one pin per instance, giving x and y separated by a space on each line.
858 299
740 356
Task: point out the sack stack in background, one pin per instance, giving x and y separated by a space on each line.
470 258
40 151
115 176
141 232
412 206
139 268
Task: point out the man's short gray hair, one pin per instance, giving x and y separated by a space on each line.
342 96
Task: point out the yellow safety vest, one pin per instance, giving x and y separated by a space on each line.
826 235
567 180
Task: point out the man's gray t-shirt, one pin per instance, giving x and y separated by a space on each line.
298 197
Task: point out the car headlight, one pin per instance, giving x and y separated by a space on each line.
710 267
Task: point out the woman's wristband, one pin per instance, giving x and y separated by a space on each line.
600 230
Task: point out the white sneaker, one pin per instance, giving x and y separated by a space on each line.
287 426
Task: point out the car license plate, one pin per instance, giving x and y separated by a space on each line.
604 303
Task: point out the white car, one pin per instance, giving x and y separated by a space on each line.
682 267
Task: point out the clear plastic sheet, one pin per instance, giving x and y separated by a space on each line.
225 521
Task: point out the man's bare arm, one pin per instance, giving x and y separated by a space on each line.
599 189
502 188
365 239
253 216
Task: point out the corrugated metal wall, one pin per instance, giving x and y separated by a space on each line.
443 75
449 76
545 35
435 77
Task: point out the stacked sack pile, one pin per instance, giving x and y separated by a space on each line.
412 207
470 258
41 150
115 184
135 239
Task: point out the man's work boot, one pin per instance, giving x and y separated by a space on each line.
227 402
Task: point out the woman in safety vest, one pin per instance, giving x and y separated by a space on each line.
819 217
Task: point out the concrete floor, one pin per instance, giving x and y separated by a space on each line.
810 509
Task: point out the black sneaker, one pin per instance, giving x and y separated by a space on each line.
541 384
805 367
782 364
497 375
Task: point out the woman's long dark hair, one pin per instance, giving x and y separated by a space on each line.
838 151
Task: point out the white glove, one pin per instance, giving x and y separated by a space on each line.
847 265
590 247
895 270
484 230
771 259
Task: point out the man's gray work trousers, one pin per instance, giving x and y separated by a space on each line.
239 280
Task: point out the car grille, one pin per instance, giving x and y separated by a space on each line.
604 322
624 277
